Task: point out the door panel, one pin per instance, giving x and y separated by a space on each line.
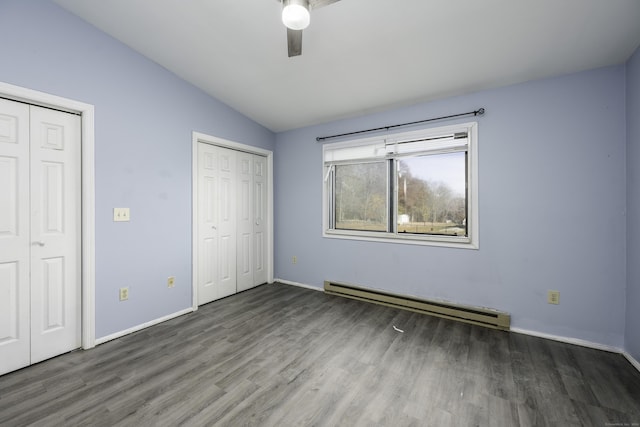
209 270
245 221
52 208
53 294
207 223
260 220
8 304
9 196
227 285
227 222
55 233
15 340
216 223
14 332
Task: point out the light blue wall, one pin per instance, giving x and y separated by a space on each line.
144 119
632 331
552 210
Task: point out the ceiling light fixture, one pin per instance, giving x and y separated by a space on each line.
295 14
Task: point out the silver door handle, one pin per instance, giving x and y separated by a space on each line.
214 227
38 243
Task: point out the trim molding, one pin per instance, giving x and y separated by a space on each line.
86 111
582 343
143 326
299 285
575 341
631 360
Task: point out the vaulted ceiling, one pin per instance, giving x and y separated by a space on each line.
362 56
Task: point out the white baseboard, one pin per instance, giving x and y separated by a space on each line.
568 340
631 360
300 285
143 326
582 343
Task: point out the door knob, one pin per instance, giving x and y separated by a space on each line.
38 243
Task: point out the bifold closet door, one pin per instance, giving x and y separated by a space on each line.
39 234
15 339
216 223
232 206
251 190
260 220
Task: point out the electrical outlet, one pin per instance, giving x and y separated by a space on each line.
124 294
121 214
171 281
553 297
294 259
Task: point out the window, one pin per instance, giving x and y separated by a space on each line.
416 187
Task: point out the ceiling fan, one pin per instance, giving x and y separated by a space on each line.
295 16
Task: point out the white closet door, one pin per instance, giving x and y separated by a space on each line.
216 223
39 234
232 206
252 208
55 233
259 220
15 339
245 221
208 178
227 223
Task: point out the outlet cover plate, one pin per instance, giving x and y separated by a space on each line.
121 214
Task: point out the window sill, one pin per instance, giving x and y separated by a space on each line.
409 239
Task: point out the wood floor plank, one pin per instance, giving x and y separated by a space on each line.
279 355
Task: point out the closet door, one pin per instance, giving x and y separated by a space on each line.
232 222
39 234
15 339
55 233
259 220
227 222
252 208
208 188
216 223
245 221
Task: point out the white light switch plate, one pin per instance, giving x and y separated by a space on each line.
121 214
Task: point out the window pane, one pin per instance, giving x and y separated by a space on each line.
361 197
432 195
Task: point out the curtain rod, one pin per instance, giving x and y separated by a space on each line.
477 112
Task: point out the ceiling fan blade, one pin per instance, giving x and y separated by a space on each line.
315 4
294 42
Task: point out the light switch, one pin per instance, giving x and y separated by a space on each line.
121 214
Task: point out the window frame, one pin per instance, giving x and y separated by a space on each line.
470 241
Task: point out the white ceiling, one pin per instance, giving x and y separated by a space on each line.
362 56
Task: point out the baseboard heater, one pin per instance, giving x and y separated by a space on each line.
476 315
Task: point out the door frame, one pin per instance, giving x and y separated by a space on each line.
87 194
197 138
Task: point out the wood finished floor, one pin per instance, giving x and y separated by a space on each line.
278 355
